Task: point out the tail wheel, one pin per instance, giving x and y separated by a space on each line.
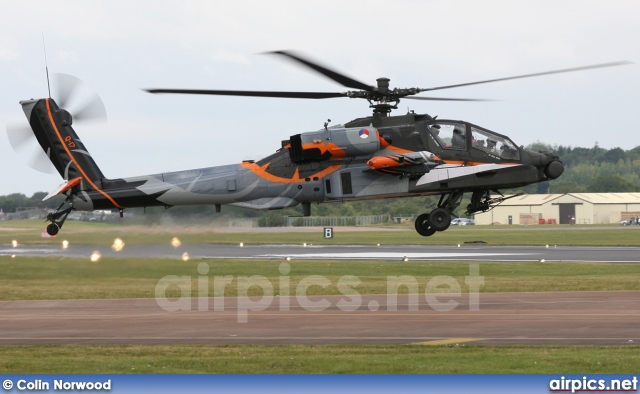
423 226
440 219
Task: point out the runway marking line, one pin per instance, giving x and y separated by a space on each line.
449 341
427 343
232 313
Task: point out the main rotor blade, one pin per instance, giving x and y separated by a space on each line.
444 99
336 76
249 93
566 70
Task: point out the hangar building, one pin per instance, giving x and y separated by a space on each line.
569 208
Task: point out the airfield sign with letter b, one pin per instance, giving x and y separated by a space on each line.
328 232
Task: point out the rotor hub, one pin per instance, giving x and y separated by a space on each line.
383 84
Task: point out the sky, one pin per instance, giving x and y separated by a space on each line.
118 48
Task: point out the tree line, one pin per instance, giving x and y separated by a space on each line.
591 170
19 202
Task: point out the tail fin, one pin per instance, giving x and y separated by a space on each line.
52 127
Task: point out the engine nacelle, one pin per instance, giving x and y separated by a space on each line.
333 144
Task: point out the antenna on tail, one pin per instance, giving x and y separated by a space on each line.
46 66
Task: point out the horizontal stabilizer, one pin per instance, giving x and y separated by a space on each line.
64 187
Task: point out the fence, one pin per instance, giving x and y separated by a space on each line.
24 213
307 221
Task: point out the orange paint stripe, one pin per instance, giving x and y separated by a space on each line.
84 175
333 149
262 173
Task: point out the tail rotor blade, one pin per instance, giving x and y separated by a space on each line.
80 100
19 137
67 87
39 161
23 140
91 110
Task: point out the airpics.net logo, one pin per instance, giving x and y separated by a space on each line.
588 385
256 293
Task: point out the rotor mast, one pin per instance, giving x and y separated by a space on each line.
385 104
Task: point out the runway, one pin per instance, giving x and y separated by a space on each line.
567 318
464 252
562 318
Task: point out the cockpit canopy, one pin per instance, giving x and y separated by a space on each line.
451 135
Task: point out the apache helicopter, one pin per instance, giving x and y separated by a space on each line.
374 157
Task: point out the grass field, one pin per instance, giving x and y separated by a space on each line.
102 234
68 278
319 359
33 278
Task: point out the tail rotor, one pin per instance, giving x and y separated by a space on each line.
72 95
83 103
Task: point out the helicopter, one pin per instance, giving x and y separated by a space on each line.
373 157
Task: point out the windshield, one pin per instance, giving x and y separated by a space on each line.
494 144
450 135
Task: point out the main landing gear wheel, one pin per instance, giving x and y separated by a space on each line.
440 219
423 226
52 229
